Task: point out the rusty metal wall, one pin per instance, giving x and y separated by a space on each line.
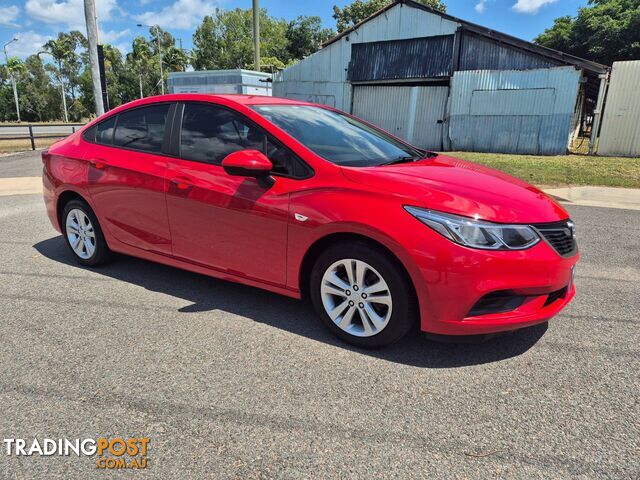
427 57
481 53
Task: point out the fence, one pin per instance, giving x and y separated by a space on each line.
35 132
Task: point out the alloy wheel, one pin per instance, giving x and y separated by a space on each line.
80 233
356 297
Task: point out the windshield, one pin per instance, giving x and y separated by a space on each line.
336 137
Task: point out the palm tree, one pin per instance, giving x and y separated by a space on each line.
139 58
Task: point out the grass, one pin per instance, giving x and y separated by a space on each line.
12 146
562 170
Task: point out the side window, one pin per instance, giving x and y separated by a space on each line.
210 133
104 131
142 128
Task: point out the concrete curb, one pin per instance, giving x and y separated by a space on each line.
606 197
20 186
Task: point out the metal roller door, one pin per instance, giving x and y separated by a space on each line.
414 114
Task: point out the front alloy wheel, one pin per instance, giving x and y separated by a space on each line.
363 294
356 297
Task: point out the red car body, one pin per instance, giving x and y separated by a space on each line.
153 206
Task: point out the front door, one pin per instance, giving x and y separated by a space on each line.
126 177
232 224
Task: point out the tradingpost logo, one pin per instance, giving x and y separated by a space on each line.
111 453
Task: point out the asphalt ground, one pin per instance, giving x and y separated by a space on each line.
229 381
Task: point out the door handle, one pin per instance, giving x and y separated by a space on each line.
182 183
98 163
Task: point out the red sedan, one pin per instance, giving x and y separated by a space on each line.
304 200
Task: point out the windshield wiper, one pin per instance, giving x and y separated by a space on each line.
405 159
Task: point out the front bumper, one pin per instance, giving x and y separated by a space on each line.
452 279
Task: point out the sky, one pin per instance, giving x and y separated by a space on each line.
34 22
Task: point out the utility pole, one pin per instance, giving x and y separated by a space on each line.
157 27
256 35
13 79
92 37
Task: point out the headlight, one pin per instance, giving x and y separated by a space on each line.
476 233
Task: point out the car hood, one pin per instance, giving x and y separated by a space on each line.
456 186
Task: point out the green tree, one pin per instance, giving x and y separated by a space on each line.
305 36
360 9
120 81
225 40
39 100
67 69
138 68
173 58
604 31
14 68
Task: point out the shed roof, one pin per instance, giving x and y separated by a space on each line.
485 32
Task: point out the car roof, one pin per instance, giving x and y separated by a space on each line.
260 100
246 100
235 98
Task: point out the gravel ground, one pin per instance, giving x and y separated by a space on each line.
233 382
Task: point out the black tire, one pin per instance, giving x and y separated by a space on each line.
403 314
101 254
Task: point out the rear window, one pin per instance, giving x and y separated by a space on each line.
142 128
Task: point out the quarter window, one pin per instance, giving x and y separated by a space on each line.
104 131
142 128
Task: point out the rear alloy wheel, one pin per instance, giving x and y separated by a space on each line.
83 235
362 295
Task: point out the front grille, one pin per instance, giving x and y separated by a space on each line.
559 235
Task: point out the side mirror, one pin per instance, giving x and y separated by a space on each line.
247 163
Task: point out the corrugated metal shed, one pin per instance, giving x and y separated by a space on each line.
481 53
513 111
428 57
322 77
411 46
620 134
220 81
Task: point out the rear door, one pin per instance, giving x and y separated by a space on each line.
126 177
